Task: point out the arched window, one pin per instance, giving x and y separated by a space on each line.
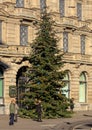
82 87
66 89
1 86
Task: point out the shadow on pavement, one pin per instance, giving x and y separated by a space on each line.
90 125
87 115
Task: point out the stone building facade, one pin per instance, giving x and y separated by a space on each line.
74 28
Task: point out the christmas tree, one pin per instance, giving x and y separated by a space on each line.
45 76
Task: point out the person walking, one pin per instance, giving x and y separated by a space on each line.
71 104
12 112
39 110
16 112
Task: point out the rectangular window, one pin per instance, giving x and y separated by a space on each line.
23 35
19 3
82 92
79 11
42 5
82 38
0 32
1 88
65 41
62 7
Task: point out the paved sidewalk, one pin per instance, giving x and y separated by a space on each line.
47 124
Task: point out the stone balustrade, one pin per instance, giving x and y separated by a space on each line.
26 12
78 58
14 50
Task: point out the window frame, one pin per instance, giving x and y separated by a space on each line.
83 83
62 8
43 5
18 4
79 11
66 89
65 41
0 32
82 42
25 41
1 87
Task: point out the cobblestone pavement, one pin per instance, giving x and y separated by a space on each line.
47 124
84 126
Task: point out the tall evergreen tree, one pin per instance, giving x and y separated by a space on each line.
45 76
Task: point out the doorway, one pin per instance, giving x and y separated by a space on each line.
20 84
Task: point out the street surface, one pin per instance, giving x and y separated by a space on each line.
79 121
84 126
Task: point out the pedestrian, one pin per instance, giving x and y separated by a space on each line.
39 110
16 112
12 112
71 104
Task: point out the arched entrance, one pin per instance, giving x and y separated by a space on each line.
20 83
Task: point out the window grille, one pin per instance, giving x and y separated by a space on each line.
23 35
1 87
82 88
43 5
79 11
0 32
82 44
65 41
62 7
66 88
19 3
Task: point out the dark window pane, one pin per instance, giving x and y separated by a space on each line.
43 5
61 7
0 32
1 85
65 42
19 3
23 35
82 44
79 11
